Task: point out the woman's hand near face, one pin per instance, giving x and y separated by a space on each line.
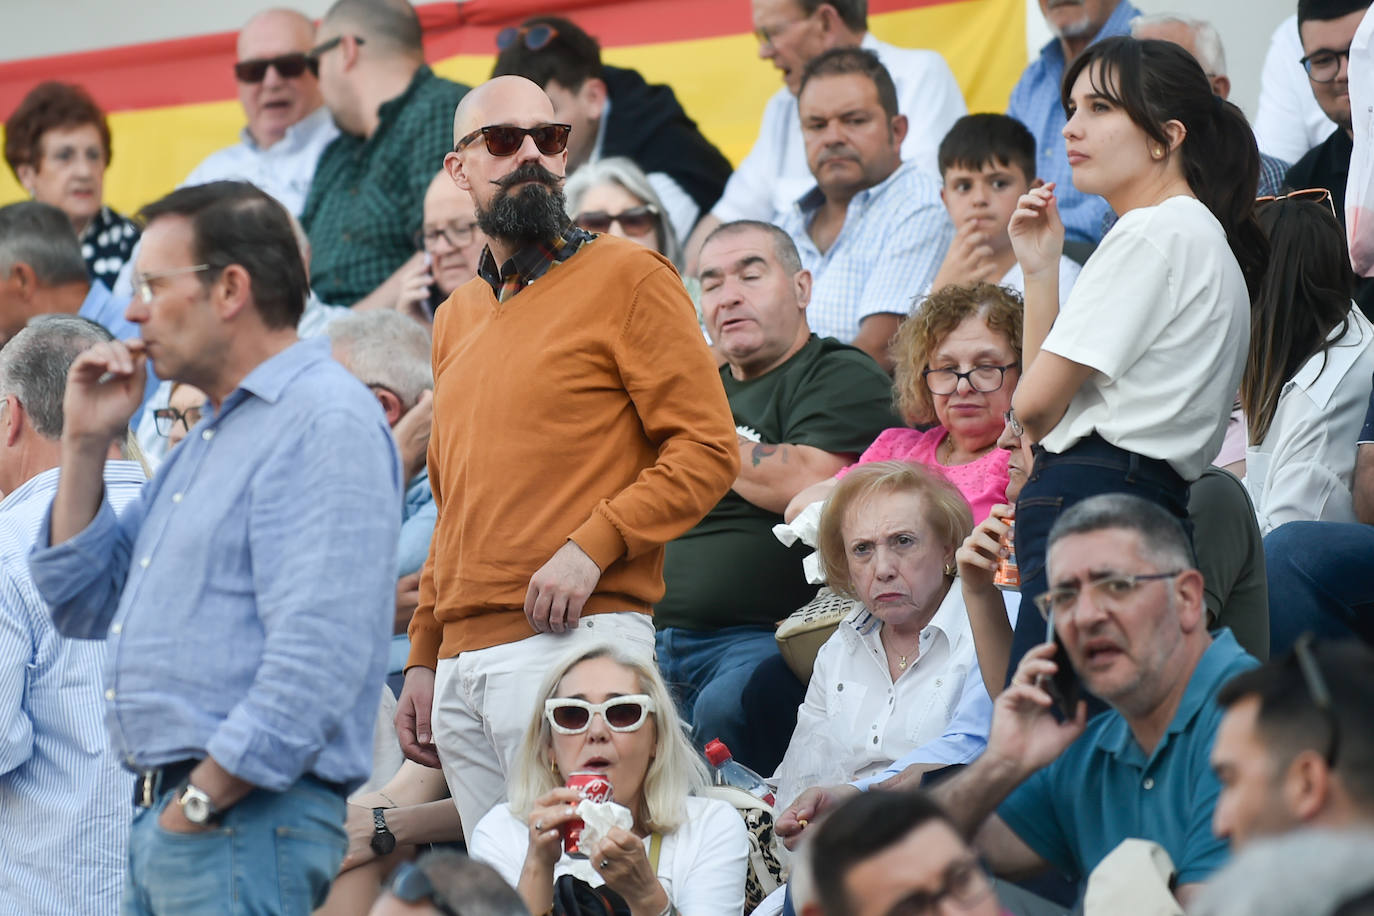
551 810
1037 232
982 549
621 861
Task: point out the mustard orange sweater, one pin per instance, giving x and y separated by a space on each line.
585 407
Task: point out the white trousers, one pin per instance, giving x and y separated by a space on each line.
484 700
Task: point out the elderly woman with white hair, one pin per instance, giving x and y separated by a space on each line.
614 196
605 711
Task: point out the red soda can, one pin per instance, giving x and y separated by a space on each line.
592 786
1008 575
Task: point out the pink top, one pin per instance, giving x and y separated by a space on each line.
982 481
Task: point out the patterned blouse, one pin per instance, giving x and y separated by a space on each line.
107 243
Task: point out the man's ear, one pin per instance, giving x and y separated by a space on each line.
1306 786
1037 183
23 281
349 48
592 97
1191 600
14 420
1221 85
801 283
391 405
232 292
453 164
900 125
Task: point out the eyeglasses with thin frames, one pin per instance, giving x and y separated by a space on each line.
1108 588
966 883
143 283
455 234
506 139
324 47
1315 195
1320 693
983 379
769 34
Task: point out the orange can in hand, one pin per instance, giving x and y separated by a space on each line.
1008 575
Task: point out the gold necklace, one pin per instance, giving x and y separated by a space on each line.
902 659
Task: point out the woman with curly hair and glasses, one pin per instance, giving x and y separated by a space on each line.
58 144
606 711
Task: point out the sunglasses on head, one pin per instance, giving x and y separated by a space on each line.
1315 195
571 716
505 139
537 37
288 66
635 221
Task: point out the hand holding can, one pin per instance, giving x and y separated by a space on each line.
594 787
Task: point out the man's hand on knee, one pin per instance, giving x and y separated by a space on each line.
413 717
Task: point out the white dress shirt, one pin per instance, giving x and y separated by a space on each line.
283 170
856 720
1289 121
1305 467
1359 187
894 237
775 173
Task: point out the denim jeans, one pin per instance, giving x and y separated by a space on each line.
273 852
1321 578
707 670
1090 467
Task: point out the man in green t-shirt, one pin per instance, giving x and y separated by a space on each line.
804 408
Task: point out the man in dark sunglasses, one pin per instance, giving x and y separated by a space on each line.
1295 747
288 126
365 201
579 424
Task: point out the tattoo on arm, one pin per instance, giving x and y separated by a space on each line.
764 450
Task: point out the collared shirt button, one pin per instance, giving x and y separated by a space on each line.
110 694
875 739
116 628
207 434
176 497
840 687
939 682
145 561
1149 783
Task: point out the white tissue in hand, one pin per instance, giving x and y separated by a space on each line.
802 528
599 818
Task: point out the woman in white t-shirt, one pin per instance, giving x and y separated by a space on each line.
1307 381
604 710
1128 387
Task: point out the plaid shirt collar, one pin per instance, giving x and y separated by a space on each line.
530 262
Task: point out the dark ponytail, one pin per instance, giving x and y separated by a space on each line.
1155 82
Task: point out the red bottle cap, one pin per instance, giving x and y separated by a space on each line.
716 752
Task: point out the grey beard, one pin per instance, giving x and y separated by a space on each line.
535 213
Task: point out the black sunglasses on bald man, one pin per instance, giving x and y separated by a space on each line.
505 139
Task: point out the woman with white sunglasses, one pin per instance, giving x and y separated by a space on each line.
604 711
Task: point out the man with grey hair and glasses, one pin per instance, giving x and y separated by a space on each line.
1053 790
64 798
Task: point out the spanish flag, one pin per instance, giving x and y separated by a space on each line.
172 103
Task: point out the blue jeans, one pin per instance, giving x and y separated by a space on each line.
707 670
1321 578
273 852
1090 467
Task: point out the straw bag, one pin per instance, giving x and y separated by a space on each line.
802 634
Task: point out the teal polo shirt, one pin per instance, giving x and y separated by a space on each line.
1104 789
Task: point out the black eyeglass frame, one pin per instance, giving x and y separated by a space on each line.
1320 693
244 70
968 376
169 416
323 48
410 884
1042 601
1307 63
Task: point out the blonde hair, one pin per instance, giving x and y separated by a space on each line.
944 508
926 328
675 772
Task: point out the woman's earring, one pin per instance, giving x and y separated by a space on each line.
949 570
1158 152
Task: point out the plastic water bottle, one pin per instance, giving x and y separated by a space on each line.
728 772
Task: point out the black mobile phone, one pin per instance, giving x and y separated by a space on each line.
1063 685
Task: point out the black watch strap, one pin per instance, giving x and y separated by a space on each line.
383 840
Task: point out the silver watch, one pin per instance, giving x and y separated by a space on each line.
197 806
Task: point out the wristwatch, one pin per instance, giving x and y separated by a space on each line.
383 840
197 806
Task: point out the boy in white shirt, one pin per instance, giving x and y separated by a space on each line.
987 161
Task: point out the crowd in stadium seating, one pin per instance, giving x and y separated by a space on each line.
998 486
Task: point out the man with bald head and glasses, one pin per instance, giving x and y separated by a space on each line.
579 425
1057 791
288 126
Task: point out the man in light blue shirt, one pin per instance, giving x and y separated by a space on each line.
245 598
64 798
1035 102
873 231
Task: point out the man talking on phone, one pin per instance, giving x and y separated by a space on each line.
245 597
1056 791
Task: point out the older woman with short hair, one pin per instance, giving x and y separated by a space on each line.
614 196
899 679
604 710
58 144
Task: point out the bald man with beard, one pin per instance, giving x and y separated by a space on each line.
579 425
288 126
